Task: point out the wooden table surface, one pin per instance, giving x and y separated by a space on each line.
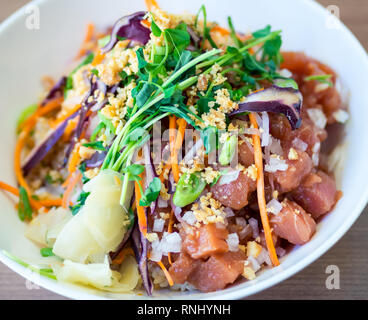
349 254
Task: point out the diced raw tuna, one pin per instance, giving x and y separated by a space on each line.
204 241
218 271
182 268
246 155
309 134
314 94
297 170
317 194
293 223
234 194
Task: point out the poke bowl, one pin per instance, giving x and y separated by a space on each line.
183 150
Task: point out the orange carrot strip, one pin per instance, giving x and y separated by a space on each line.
167 274
74 160
178 143
122 255
151 5
146 23
87 38
65 116
98 58
15 191
34 203
261 193
24 134
221 30
50 106
169 230
72 183
142 219
51 202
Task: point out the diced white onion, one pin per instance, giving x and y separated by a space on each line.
264 257
162 203
285 73
158 225
255 265
276 164
318 117
189 218
254 225
266 130
156 252
316 147
229 212
275 146
170 242
229 177
341 116
315 159
274 206
233 242
299 144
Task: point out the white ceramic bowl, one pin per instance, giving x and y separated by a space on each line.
26 55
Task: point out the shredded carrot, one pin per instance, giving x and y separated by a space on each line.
65 116
23 136
167 274
261 193
69 130
182 124
151 5
122 255
88 37
146 23
169 230
71 185
15 191
36 204
74 160
221 30
50 106
98 58
51 202
142 219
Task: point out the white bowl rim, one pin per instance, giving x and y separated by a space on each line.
230 293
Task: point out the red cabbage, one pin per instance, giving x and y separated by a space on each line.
96 160
129 27
139 244
287 101
150 171
57 91
39 152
